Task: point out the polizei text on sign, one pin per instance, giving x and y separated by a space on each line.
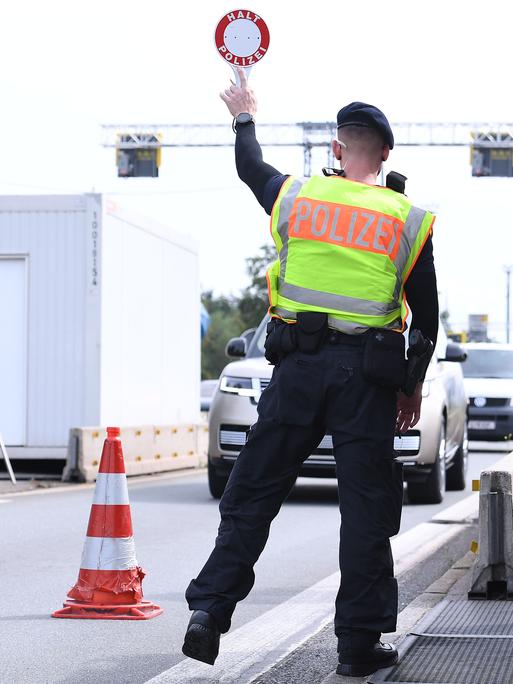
242 38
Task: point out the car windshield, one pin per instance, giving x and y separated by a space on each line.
488 363
256 346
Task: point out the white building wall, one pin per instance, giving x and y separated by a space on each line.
182 362
49 231
150 353
113 322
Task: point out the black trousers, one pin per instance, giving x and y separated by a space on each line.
310 394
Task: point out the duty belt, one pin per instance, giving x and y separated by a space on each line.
333 336
337 337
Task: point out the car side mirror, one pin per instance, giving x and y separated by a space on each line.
236 347
454 352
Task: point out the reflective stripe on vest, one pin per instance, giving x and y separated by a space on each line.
345 248
284 202
333 301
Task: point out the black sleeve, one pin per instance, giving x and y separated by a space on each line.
422 294
262 179
425 263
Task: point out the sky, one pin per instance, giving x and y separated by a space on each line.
69 67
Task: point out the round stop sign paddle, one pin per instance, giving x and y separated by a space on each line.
242 39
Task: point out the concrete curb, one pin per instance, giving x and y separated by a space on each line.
45 487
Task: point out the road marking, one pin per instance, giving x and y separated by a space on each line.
251 649
255 647
462 511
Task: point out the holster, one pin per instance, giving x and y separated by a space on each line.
396 181
384 360
420 351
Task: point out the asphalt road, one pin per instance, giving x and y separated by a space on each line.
175 522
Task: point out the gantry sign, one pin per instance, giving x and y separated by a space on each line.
491 143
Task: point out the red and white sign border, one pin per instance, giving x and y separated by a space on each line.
233 60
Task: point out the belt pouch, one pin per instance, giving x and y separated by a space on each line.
384 361
280 340
312 328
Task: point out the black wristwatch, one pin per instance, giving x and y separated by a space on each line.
242 118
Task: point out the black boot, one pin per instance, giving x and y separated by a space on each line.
358 663
202 638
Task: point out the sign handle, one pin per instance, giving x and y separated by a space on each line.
7 461
237 79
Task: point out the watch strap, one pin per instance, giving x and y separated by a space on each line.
242 119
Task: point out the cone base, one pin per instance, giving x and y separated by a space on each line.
143 610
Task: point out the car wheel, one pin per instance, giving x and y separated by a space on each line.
216 481
432 490
457 474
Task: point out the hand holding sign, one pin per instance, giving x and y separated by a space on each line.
240 99
242 39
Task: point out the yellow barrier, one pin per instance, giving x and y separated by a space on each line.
147 449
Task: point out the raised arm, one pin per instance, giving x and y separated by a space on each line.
262 178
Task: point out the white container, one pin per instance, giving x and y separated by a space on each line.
99 320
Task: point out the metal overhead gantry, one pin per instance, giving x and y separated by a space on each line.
483 136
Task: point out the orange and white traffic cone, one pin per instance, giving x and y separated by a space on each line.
109 585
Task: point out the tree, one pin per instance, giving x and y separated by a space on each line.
230 316
222 327
256 268
254 302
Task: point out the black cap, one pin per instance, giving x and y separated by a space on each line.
362 114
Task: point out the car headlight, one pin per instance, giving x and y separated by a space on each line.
244 387
425 388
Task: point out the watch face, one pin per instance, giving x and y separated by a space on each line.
244 118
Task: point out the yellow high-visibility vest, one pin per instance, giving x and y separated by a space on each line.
345 248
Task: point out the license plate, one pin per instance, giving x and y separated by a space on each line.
481 424
407 443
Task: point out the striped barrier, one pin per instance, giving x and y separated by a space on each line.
147 448
109 584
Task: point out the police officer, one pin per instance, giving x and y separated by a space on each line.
349 253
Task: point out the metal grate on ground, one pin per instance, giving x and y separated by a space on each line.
460 642
473 617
